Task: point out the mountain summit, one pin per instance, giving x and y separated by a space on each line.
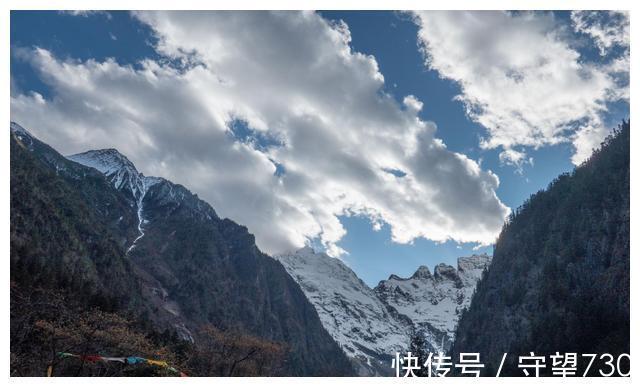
434 303
371 325
107 161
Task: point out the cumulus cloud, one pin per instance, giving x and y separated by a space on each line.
320 139
521 78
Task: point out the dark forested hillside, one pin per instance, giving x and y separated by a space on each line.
559 280
195 291
212 270
65 232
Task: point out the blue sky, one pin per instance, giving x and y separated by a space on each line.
393 39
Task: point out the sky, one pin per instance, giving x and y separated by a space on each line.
388 139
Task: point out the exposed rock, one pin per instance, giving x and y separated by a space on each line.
371 325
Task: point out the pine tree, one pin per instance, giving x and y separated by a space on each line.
418 348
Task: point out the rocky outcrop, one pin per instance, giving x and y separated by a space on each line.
433 303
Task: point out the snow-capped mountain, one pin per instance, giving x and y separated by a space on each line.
434 302
117 167
366 329
371 325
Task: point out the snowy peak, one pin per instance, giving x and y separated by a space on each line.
123 175
372 324
364 327
305 252
117 167
474 262
434 303
422 272
444 272
107 161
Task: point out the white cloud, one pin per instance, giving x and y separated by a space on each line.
521 79
516 158
294 79
607 28
412 103
86 13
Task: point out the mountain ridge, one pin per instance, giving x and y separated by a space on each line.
369 323
189 268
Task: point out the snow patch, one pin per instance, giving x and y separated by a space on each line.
21 134
123 175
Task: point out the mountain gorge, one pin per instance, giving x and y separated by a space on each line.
98 246
371 325
110 238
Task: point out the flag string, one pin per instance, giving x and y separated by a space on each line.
129 360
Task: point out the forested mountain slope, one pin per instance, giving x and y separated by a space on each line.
559 280
102 237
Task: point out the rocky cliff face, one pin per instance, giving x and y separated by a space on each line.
434 302
371 325
157 249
